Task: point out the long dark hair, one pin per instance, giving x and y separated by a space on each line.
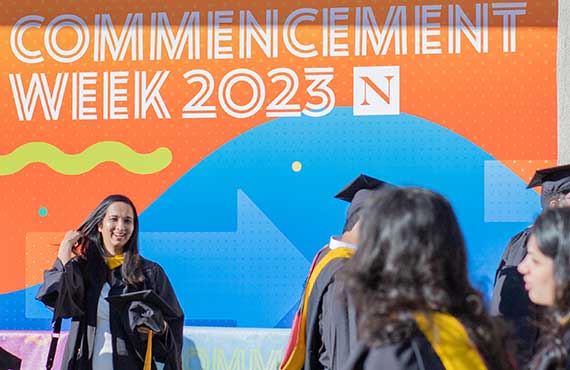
92 244
552 232
412 258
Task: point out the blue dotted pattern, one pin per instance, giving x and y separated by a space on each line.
506 197
255 278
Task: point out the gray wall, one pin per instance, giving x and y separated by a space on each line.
563 70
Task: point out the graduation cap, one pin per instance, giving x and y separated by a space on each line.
553 180
358 191
8 361
144 308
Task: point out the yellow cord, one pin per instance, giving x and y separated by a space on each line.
148 356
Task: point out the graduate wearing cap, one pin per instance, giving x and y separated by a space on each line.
124 312
324 328
510 299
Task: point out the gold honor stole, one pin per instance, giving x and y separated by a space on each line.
450 342
296 358
115 261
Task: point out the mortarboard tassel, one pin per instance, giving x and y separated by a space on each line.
148 356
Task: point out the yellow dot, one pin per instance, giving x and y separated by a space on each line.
296 166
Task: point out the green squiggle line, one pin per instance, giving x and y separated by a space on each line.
76 164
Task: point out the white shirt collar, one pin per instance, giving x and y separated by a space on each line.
336 242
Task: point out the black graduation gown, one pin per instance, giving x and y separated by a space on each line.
8 361
331 329
414 353
331 321
73 291
510 299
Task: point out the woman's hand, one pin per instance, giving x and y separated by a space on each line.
70 239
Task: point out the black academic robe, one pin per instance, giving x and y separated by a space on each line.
414 353
331 329
73 292
510 299
8 361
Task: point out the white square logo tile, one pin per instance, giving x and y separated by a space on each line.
376 91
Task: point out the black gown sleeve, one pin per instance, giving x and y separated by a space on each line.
167 348
337 327
63 289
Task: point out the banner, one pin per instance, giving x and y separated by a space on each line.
203 348
232 124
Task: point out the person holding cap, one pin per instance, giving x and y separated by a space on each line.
510 299
115 298
324 328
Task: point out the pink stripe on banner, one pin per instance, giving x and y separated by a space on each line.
32 347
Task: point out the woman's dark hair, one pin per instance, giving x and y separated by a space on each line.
552 232
92 244
412 258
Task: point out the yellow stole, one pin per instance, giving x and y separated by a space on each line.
115 261
297 358
450 341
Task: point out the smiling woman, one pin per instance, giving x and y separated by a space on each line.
100 260
116 228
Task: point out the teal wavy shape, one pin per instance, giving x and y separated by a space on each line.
77 164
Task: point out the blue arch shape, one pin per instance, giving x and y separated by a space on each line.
404 150
196 228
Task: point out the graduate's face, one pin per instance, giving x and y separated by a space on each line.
117 227
538 273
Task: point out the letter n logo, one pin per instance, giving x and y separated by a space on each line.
376 91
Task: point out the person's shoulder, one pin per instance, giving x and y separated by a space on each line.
516 248
329 267
150 266
320 254
521 235
317 259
